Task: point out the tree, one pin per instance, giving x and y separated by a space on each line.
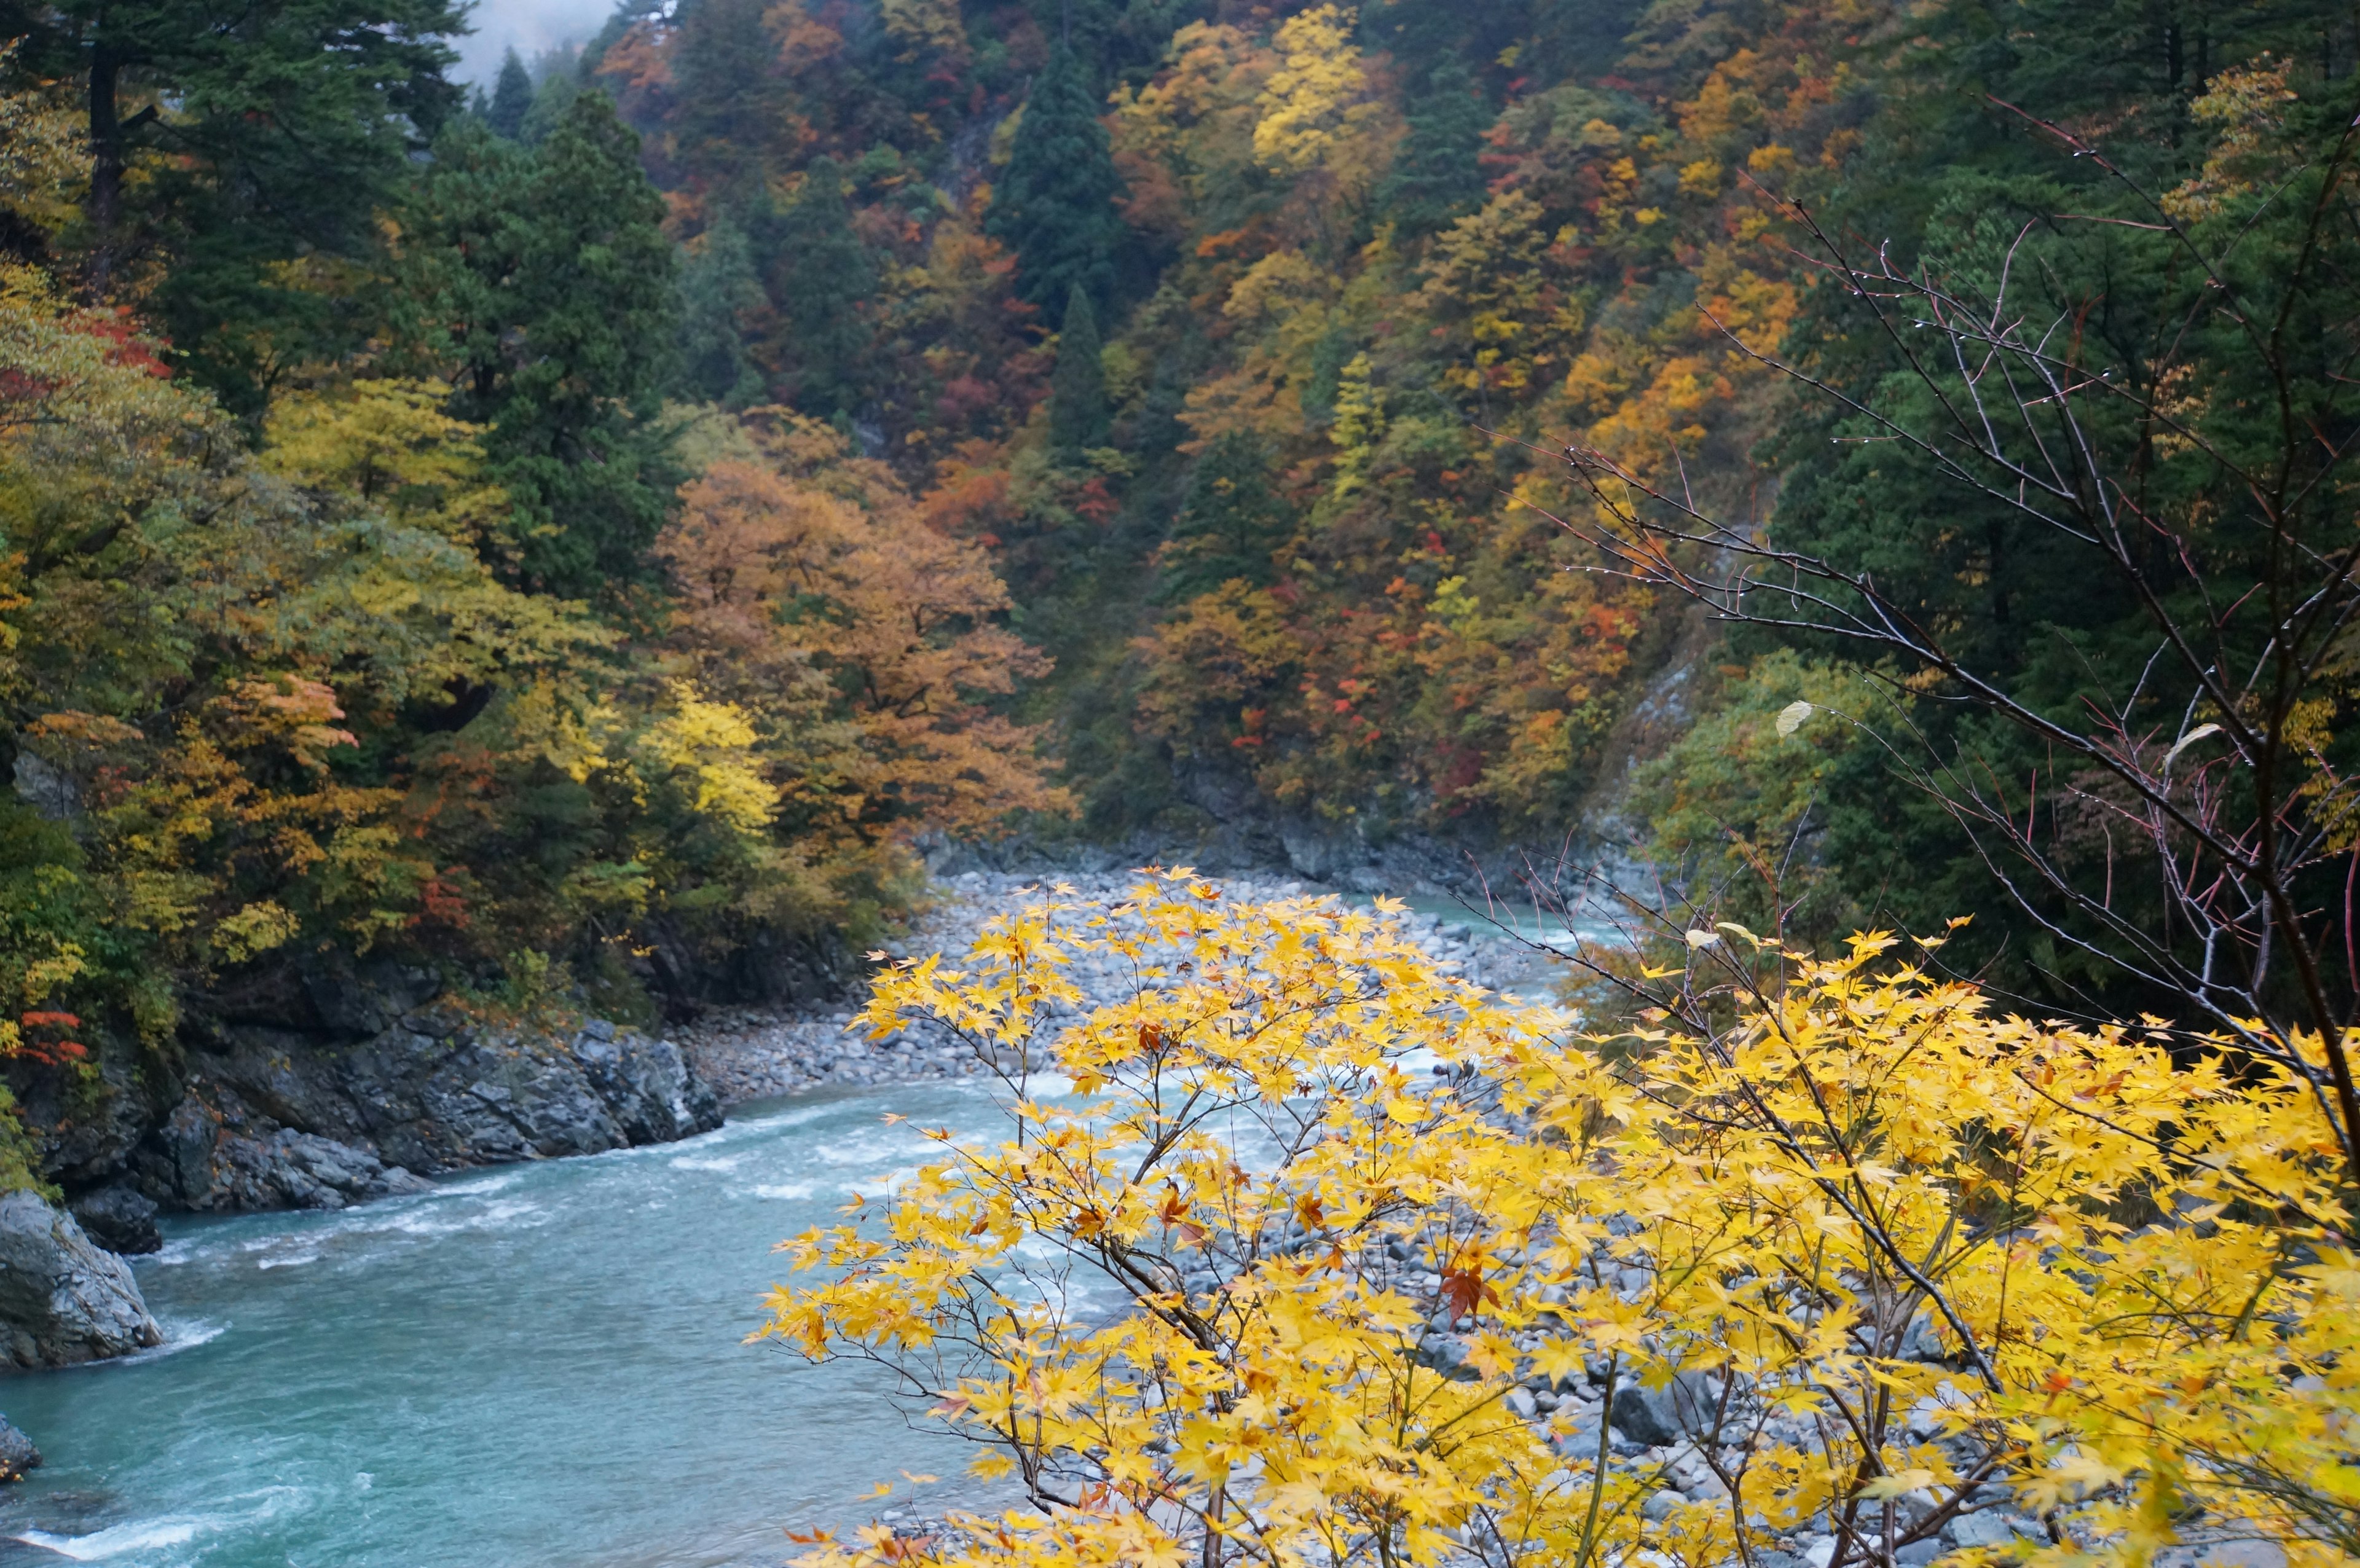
1435 177
1230 521
1077 393
511 99
1847 1246
823 277
547 293
1054 205
265 144
719 290
2088 496
809 587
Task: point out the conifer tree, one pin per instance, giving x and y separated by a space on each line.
717 287
549 287
1054 206
269 132
1230 521
1436 176
1077 393
822 278
511 99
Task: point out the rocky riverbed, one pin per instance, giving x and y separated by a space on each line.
757 1054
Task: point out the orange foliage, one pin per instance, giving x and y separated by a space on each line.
809 572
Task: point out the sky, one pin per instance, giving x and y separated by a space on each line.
528 27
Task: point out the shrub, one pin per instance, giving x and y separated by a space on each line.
1899 1250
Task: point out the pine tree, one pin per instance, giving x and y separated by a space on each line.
1054 204
1230 521
289 129
1436 176
1077 393
546 290
822 278
717 287
511 99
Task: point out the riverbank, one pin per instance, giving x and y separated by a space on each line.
747 1054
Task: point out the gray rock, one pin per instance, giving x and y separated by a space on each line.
17 1453
1980 1529
62 1299
119 1220
1683 1408
277 1121
1917 1553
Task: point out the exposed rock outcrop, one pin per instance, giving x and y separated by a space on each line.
17 1453
120 1220
273 1120
63 1299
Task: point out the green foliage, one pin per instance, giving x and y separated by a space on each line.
719 291
1435 178
825 275
239 163
1738 808
544 294
511 99
1054 205
1230 521
1077 393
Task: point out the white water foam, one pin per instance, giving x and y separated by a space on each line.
725 1162
140 1536
179 1334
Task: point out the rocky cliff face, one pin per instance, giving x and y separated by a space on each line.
63 1299
337 1082
272 1120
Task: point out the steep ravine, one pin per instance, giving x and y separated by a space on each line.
370 1084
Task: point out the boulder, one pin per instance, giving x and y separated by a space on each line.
63 1299
273 1121
224 1157
17 1453
119 1220
1681 1408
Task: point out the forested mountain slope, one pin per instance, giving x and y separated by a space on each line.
573 545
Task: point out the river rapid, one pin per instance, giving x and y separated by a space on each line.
544 1366
538 1367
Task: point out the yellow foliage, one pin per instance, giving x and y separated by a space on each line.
1308 99
1195 1300
388 443
712 741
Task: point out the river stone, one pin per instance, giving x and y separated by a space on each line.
1682 1408
119 1220
62 1299
17 1453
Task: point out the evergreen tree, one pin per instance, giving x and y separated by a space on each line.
547 287
289 127
553 95
1229 522
1077 393
1054 206
511 99
1436 176
718 288
823 277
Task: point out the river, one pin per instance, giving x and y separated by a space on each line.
538 1367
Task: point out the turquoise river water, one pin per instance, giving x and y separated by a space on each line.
539 1367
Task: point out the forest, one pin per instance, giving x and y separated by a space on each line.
582 534
1858 493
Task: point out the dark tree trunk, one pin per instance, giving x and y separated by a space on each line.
106 166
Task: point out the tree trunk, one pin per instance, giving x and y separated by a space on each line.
105 167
